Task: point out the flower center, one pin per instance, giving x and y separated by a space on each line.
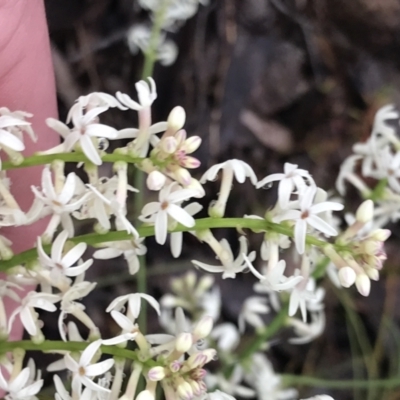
82 371
164 205
305 214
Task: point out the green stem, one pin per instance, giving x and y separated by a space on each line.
39 159
151 51
289 380
146 231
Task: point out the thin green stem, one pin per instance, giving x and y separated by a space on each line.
146 231
39 159
151 52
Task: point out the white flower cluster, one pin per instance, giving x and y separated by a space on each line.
301 222
170 14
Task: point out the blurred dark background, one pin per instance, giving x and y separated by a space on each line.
266 81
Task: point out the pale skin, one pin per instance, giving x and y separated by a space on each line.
26 83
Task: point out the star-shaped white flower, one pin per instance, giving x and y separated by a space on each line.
85 127
146 93
158 212
292 178
230 266
134 303
307 215
21 387
59 265
240 169
83 370
252 307
28 316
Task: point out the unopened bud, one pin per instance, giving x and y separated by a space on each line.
190 162
192 144
365 212
184 391
145 395
156 374
197 389
347 276
184 342
175 366
363 284
205 283
176 118
380 234
373 274
190 279
169 145
155 180
183 176
203 327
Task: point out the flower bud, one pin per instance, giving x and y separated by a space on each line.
190 162
176 118
190 279
363 284
203 327
183 177
156 374
145 395
175 366
380 234
180 137
347 276
205 283
169 145
373 274
365 212
192 144
155 180
184 391
184 342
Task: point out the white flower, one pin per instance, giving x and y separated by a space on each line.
83 370
232 385
226 335
262 372
230 266
49 201
275 280
307 215
306 297
130 249
63 265
62 394
239 168
177 237
118 209
93 100
134 303
21 387
252 307
320 397
292 178
26 311
85 128
146 93
8 139
307 332
158 212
